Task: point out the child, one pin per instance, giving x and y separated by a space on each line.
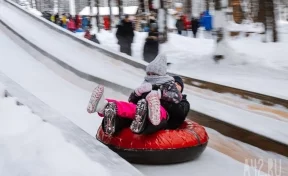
156 86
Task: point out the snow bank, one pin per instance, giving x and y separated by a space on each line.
246 26
34 12
32 147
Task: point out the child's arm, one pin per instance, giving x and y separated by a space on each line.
170 93
137 94
134 98
180 111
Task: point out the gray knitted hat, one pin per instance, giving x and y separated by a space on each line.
158 65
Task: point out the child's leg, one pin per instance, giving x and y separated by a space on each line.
154 107
128 110
139 124
124 109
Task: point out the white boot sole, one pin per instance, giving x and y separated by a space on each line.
95 97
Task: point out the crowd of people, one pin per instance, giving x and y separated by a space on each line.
69 22
125 31
75 24
183 24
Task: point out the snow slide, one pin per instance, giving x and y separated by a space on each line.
51 94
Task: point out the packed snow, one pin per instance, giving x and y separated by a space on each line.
29 146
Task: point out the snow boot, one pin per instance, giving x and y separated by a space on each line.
154 113
97 101
110 119
139 123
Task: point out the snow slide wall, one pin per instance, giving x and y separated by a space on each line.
95 150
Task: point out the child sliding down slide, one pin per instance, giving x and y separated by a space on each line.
145 101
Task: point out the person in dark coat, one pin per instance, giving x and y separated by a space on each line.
57 20
125 35
195 25
151 46
177 112
180 25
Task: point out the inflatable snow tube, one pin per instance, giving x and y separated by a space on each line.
162 147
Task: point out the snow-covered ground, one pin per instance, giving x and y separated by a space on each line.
71 101
95 63
30 146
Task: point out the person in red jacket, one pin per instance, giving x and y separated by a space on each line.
71 25
106 23
78 22
186 23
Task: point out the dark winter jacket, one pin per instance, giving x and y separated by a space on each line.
177 112
195 24
125 32
151 47
169 92
180 25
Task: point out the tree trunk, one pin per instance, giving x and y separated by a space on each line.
261 12
110 15
120 6
270 19
91 11
219 31
72 9
162 22
189 8
207 5
237 11
141 6
97 15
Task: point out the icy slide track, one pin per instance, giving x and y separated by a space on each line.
50 89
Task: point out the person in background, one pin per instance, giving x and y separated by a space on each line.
64 20
87 34
151 46
125 35
85 22
71 25
106 22
180 25
78 22
52 18
57 18
195 24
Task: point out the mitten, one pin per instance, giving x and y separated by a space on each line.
145 87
